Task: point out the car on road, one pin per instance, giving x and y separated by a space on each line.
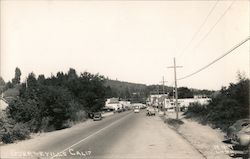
97 116
136 109
119 110
150 111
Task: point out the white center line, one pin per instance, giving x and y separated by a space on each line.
90 135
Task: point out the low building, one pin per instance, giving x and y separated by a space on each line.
115 104
157 99
139 105
163 100
186 102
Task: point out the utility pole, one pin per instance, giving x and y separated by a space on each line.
158 94
176 93
163 90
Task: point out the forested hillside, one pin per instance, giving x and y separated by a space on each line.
125 90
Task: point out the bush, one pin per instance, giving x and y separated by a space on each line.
45 124
230 105
11 131
67 124
80 116
18 132
198 112
196 109
7 138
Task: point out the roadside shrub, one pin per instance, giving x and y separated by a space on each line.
67 124
17 132
228 106
6 125
195 109
198 112
80 116
7 138
45 124
11 131
20 131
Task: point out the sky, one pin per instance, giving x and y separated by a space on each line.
133 41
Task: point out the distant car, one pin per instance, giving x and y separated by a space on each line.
119 110
136 109
150 111
97 116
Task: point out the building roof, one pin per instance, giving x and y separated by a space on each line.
113 100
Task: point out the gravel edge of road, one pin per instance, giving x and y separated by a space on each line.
203 138
182 136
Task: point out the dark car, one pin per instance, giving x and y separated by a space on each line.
236 128
97 116
239 135
119 110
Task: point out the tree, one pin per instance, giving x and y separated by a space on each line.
2 84
31 80
1 81
184 92
17 78
72 74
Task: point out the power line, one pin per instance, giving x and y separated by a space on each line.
199 29
228 52
212 28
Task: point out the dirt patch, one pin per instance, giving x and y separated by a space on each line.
175 123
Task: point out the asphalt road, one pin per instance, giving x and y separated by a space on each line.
125 135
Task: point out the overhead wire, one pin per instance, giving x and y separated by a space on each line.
212 28
217 59
200 27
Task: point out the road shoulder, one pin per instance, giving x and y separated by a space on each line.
206 140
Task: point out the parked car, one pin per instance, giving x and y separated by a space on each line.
236 128
119 110
239 135
97 116
150 111
136 109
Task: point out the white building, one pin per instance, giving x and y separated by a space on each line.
169 103
140 105
157 99
186 102
125 104
115 104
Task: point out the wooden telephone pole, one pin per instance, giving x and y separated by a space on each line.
163 93
176 93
